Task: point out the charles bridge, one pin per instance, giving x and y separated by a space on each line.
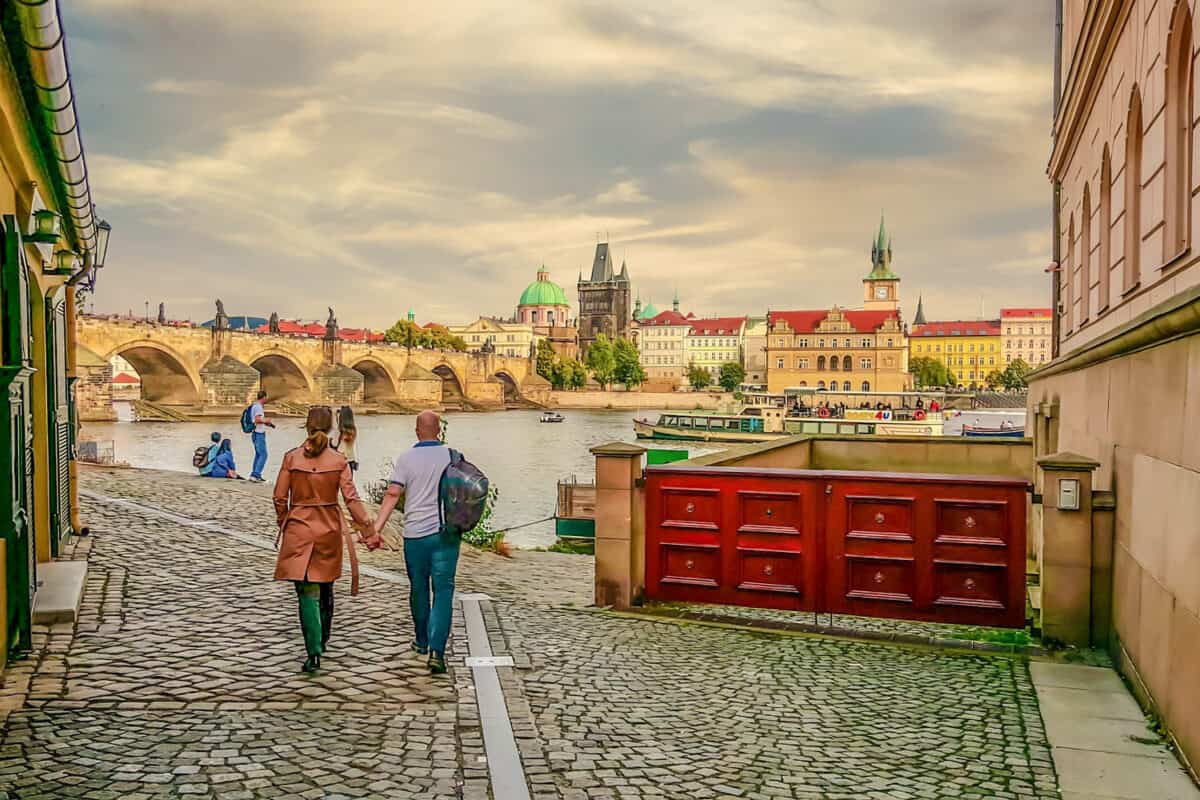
199 369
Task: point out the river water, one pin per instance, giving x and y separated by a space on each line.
524 458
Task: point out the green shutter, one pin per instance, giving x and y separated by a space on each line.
58 404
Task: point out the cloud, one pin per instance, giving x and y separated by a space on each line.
623 192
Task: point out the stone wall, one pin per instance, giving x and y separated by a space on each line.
1138 414
339 386
94 393
677 401
228 382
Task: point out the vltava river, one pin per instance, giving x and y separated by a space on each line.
521 456
524 458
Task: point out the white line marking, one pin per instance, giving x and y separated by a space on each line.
488 661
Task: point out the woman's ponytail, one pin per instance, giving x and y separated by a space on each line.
318 425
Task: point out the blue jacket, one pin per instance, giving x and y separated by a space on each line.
223 465
212 459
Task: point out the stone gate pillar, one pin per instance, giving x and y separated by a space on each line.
1067 542
620 525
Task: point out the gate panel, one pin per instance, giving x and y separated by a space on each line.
922 547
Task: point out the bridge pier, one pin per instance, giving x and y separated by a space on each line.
228 382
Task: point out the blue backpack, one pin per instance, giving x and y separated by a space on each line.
248 419
462 495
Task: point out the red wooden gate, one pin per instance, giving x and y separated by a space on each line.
945 548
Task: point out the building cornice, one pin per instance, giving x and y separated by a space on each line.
1093 52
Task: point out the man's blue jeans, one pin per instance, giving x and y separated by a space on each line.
432 560
260 454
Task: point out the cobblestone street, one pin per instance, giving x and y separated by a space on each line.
181 679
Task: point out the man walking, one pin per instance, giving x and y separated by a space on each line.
430 556
259 437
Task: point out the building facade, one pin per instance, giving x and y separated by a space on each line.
1123 388
662 346
51 244
754 351
712 343
544 305
881 286
970 349
604 300
837 349
515 339
1025 334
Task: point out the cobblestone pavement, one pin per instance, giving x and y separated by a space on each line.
181 680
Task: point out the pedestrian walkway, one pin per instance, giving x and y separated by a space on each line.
182 679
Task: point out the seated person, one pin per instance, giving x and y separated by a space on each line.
224 467
211 459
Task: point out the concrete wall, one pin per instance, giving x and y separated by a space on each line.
1139 416
671 401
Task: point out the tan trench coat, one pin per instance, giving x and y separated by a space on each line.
311 524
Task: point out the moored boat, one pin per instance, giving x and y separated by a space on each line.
1002 432
551 416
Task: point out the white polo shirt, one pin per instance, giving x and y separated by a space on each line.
419 470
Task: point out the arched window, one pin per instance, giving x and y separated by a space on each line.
820 385
845 386
1133 192
1177 202
847 365
833 363
821 365
1067 273
804 383
1085 255
866 386
1104 261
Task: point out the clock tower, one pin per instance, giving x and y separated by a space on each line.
881 284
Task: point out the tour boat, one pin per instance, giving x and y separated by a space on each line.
551 416
980 431
806 411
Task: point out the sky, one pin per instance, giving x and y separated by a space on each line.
376 156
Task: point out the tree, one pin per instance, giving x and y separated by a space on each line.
440 338
994 379
407 333
1015 375
698 377
602 361
731 375
929 372
547 361
628 366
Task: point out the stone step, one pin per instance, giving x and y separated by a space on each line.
59 591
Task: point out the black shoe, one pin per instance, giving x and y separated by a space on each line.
437 665
419 649
311 665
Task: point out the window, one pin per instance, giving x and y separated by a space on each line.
1133 194
847 365
845 386
864 363
1177 201
847 343
820 342
1067 271
779 342
820 384
821 362
833 343
1085 255
779 363
801 363
804 383
833 363
866 386
889 342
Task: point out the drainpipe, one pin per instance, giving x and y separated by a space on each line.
69 345
1056 189
45 47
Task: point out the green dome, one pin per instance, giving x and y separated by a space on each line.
543 292
649 312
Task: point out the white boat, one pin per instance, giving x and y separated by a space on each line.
551 416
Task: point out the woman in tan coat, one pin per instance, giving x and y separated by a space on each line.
312 528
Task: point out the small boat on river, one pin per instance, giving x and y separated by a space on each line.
1011 432
551 416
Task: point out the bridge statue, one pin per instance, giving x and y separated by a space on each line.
331 326
221 321
162 314
273 323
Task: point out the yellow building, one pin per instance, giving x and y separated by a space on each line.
662 346
712 343
51 241
514 339
969 348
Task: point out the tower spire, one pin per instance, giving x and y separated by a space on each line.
919 319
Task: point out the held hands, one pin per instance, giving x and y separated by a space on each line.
369 536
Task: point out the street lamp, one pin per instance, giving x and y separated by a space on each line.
45 227
103 229
65 261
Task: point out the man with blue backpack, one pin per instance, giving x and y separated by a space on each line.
444 496
255 423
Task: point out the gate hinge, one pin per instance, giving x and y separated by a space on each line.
829 488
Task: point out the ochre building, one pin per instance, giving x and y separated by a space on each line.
1123 388
970 349
1025 333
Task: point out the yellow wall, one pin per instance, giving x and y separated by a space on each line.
958 353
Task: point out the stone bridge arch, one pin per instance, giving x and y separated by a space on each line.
454 387
512 389
166 375
282 376
379 382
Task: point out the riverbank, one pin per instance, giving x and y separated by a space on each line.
632 401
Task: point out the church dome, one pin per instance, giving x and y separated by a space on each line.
648 312
543 292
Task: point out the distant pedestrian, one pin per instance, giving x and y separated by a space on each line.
258 413
430 555
223 465
312 529
347 436
207 456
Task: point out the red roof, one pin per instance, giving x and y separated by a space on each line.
125 377
972 327
807 321
667 318
1024 313
717 326
316 329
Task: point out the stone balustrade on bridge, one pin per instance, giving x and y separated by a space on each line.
208 369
